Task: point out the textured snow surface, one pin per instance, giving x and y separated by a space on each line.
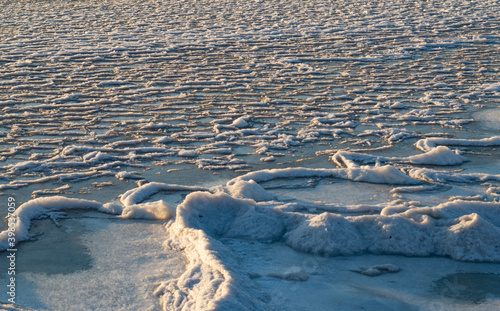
331 129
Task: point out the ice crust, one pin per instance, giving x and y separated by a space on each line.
82 103
243 209
462 230
114 91
42 207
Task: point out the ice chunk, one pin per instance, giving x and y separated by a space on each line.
378 270
127 175
97 157
151 210
187 153
492 87
471 239
428 144
441 155
292 274
386 174
249 190
268 159
241 122
163 140
327 233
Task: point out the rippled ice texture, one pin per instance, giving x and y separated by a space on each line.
91 88
98 94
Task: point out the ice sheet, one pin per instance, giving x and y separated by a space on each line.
342 132
88 261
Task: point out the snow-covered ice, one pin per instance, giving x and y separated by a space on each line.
252 155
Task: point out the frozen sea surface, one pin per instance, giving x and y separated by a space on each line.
252 155
91 262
